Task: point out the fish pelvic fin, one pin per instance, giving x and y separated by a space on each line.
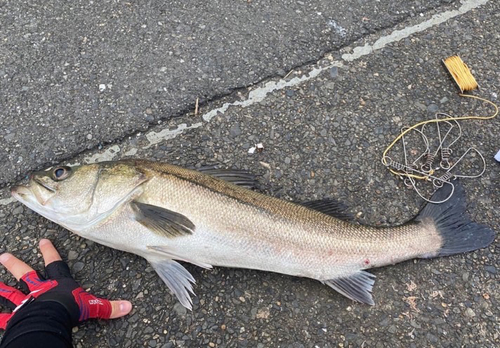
458 232
357 287
177 278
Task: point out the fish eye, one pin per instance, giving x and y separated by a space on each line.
61 173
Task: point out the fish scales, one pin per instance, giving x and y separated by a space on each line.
251 222
165 213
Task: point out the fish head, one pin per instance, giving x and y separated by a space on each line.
79 196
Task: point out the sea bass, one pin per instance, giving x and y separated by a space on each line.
211 218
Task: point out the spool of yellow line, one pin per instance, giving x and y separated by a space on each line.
460 73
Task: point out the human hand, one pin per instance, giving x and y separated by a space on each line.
59 287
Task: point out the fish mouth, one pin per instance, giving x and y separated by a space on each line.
45 186
33 192
20 192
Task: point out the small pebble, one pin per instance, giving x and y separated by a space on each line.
235 130
469 313
334 72
72 255
432 108
78 266
18 210
180 309
490 269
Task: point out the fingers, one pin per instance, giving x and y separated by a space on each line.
18 268
120 309
14 265
49 253
55 267
92 307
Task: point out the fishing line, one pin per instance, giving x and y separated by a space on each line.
465 81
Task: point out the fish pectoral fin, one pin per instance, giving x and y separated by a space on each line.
166 251
177 278
357 287
330 207
162 221
234 176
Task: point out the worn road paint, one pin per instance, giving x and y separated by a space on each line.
260 93
398 35
166 134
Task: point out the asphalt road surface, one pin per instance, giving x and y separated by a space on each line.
75 75
324 86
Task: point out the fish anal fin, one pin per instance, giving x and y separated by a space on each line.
166 251
234 176
161 220
330 207
357 287
177 278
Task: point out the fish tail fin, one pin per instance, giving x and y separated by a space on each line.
458 232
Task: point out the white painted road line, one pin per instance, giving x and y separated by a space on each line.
260 93
398 35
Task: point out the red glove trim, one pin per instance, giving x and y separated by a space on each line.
91 306
11 294
4 319
37 285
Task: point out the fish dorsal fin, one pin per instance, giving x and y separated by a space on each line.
330 207
162 221
177 278
234 176
165 250
357 287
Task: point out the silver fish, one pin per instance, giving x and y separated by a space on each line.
165 213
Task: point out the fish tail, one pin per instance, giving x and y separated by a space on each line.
458 232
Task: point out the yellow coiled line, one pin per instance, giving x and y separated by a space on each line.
461 73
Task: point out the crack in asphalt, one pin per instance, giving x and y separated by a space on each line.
268 85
